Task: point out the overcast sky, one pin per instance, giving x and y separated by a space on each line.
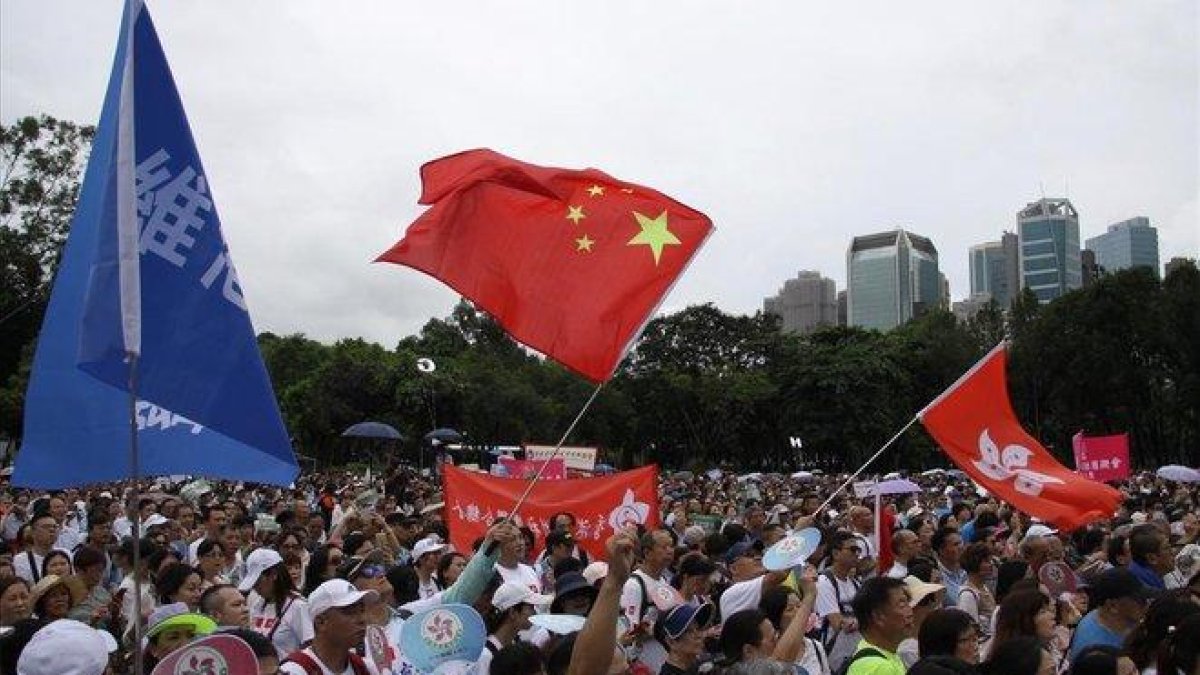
794 125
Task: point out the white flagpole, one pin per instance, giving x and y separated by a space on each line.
867 463
542 468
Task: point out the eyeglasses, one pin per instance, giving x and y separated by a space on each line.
335 560
855 549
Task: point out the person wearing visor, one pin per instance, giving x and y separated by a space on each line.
369 573
681 630
171 627
339 619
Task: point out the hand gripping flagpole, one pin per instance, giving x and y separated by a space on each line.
546 463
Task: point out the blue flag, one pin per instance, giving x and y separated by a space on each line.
146 273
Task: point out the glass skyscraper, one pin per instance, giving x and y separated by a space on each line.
1048 230
1129 243
891 278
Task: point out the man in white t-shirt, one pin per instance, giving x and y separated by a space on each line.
28 563
905 546
512 570
215 520
750 578
638 593
836 588
862 524
339 625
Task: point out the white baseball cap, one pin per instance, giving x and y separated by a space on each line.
1039 530
426 545
260 560
66 647
336 593
510 595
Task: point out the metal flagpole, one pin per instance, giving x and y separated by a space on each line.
865 465
542 468
135 474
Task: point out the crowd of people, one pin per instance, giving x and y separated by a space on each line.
947 580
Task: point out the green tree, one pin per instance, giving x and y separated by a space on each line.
40 163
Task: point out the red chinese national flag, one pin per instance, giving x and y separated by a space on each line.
571 263
974 423
600 505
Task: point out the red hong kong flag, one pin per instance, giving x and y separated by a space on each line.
974 423
571 263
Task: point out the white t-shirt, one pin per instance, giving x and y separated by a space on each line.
814 661
742 595
427 588
291 668
522 574
898 570
652 654
295 626
827 597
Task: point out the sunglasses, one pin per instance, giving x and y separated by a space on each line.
371 571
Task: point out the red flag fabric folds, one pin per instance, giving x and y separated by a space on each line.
600 505
974 423
571 263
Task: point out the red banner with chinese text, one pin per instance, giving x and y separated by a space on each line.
1102 458
600 505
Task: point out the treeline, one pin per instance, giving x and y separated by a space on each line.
703 387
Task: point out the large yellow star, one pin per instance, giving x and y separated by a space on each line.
654 234
575 214
595 190
584 244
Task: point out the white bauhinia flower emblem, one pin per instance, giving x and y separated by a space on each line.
1009 463
628 512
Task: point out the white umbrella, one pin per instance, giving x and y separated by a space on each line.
802 475
891 476
1179 474
933 472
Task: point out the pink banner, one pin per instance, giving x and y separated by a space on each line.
1102 458
556 469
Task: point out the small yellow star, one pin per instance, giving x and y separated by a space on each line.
584 244
595 190
575 214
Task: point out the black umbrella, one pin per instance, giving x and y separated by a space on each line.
373 430
443 436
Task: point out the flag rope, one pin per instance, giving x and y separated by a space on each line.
862 468
546 462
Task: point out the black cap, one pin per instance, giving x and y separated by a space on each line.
1118 583
569 584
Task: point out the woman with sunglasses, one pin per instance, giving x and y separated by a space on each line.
369 573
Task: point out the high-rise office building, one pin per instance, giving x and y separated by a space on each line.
1048 230
1129 243
994 269
1177 263
891 278
805 303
